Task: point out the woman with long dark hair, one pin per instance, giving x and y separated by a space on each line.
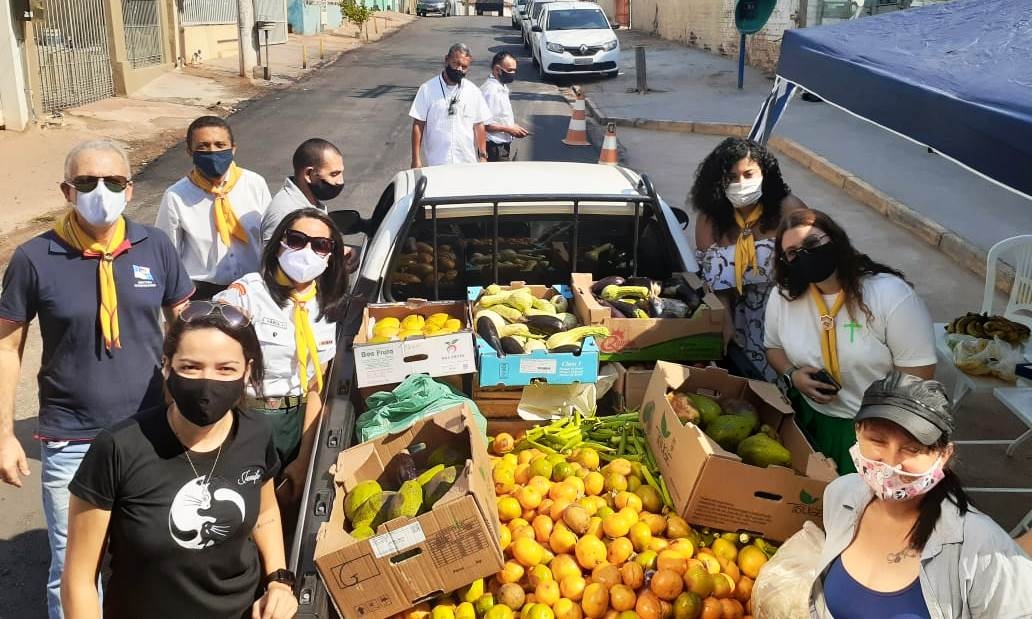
182 497
836 322
902 537
741 197
295 302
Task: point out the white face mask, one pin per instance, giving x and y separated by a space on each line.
100 207
745 193
302 265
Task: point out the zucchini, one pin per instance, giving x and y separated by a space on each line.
613 280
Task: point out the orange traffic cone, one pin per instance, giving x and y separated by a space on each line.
577 134
609 154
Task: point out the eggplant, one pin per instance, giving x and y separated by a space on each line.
612 280
486 329
512 346
612 308
644 282
627 310
645 306
544 325
574 348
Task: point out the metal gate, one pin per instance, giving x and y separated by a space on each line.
142 22
74 61
274 11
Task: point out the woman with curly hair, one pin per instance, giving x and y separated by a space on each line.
740 197
837 316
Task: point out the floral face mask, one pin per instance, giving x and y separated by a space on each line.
893 483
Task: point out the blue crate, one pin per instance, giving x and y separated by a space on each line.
562 368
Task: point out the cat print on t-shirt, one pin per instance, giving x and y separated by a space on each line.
204 514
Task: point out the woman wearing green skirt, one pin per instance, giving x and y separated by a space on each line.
835 322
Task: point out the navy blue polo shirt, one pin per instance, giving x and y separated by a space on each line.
82 387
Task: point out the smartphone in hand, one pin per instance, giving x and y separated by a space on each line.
825 377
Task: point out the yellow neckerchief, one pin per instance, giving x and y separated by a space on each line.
304 336
745 248
69 230
829 341
226 222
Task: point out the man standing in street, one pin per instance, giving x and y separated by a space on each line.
96 281
318 176
448 115
502 127
214 214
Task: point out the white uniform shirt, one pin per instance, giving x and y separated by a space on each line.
496 94
449 138
286 201
900 334
275 328
185 214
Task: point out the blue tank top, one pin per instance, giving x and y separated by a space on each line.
848 599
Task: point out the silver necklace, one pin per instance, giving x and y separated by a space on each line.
186 450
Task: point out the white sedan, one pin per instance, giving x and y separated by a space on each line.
575 38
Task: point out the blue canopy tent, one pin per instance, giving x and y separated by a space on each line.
956 77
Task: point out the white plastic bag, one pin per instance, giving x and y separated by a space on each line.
782 588
982 357
541 402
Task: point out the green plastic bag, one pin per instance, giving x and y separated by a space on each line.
418 396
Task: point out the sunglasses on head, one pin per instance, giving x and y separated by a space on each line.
86 184
295 239
235 317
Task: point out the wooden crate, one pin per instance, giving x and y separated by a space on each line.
497 402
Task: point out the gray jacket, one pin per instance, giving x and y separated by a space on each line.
969 567
286 201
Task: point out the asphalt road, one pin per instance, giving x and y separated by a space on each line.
360 103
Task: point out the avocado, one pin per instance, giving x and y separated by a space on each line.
762 450
729 430
742 408
708 408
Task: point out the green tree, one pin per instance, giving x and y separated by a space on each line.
356 13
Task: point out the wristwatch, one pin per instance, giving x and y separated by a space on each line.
285 577
785 380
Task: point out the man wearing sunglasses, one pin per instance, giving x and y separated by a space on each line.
502 127
96 282
214 214
448 115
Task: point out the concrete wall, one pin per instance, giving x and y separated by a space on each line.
212 41
306 18
14 106
127 79
710 25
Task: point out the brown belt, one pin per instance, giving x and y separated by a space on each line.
278 403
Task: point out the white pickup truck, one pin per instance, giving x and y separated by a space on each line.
598 219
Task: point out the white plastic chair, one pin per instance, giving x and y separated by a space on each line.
1017 251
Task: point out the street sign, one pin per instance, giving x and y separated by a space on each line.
750 17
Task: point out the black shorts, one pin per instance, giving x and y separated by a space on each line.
497 152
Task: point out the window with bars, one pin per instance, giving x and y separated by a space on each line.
142 22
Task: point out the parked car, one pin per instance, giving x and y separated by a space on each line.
488 6
440 7
534 9
564 210
517 13
574 38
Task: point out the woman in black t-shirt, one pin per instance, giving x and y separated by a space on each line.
183 498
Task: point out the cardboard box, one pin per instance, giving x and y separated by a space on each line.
633 382
539 365
497 402
713 487
410 560
699 338
436 355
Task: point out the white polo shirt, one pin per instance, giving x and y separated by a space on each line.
496 94
185 214
449 138
275 328
899 335
287 200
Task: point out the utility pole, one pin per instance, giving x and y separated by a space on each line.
245 34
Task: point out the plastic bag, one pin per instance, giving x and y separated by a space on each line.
984 357
416 397
782 588
541 402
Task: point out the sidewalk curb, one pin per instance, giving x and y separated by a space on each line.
930 232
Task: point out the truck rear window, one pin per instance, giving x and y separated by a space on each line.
536 249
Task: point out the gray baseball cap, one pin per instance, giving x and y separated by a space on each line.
919 406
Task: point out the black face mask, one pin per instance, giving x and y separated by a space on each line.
506 77
204 401
323 190
454 76
812 266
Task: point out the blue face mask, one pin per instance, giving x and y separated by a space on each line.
213 164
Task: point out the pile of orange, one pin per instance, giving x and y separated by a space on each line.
588 541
